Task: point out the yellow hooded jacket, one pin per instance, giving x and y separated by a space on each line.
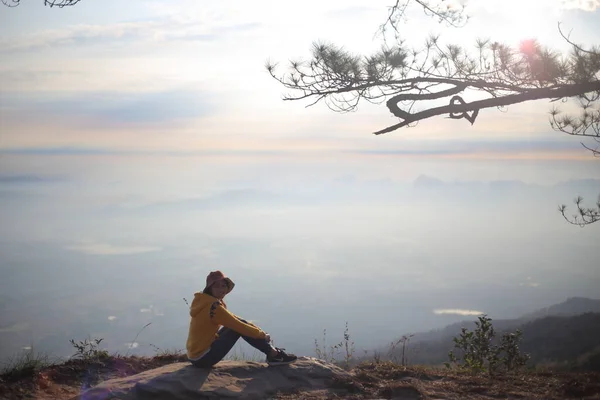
208 315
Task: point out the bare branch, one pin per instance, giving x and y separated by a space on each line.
595 151
576 46
585 216
442 10
458 111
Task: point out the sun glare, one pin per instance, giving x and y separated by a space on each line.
517 20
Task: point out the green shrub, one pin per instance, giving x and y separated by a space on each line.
480 354
89 350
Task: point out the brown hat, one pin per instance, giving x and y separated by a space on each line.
215 276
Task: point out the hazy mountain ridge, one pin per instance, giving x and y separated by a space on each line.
29 179
571 306
425 180
567 333
572 342
350 190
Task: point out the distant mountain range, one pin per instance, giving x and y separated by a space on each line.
572 306
426 181
351 189
565 334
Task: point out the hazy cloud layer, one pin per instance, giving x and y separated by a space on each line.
529 281
107 108
144 111
516 5
106 249
586 5
125 33
29 179
456 311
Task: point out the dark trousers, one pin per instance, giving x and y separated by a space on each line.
224 343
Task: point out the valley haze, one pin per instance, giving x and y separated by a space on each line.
388 256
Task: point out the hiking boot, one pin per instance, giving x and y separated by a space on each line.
281 358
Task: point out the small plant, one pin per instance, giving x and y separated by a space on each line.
167 353
376 356
25 364
329 355
348 348
404 340
480 354
322 352
136 336
513 358
476 346
89 350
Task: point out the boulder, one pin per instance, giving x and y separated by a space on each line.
226 380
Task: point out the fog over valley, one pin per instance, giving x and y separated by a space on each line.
100 246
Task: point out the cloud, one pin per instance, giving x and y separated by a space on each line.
529 282
63 151
99 151
36 76
115 107
216 34
476 146
351 12
538 148
153 310
546 5
171 28
457 311
105 249
585 5
28 179
112 318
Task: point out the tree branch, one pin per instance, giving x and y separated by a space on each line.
51 3
463 108
454 17
585 216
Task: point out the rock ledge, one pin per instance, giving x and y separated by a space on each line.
227 380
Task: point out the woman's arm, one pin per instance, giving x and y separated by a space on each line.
244 320
221 316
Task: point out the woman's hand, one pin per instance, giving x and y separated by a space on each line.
268 338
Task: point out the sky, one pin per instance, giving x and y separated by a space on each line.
143 144
190 75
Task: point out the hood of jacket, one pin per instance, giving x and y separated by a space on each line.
202 301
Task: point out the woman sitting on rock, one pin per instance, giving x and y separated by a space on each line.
207 344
